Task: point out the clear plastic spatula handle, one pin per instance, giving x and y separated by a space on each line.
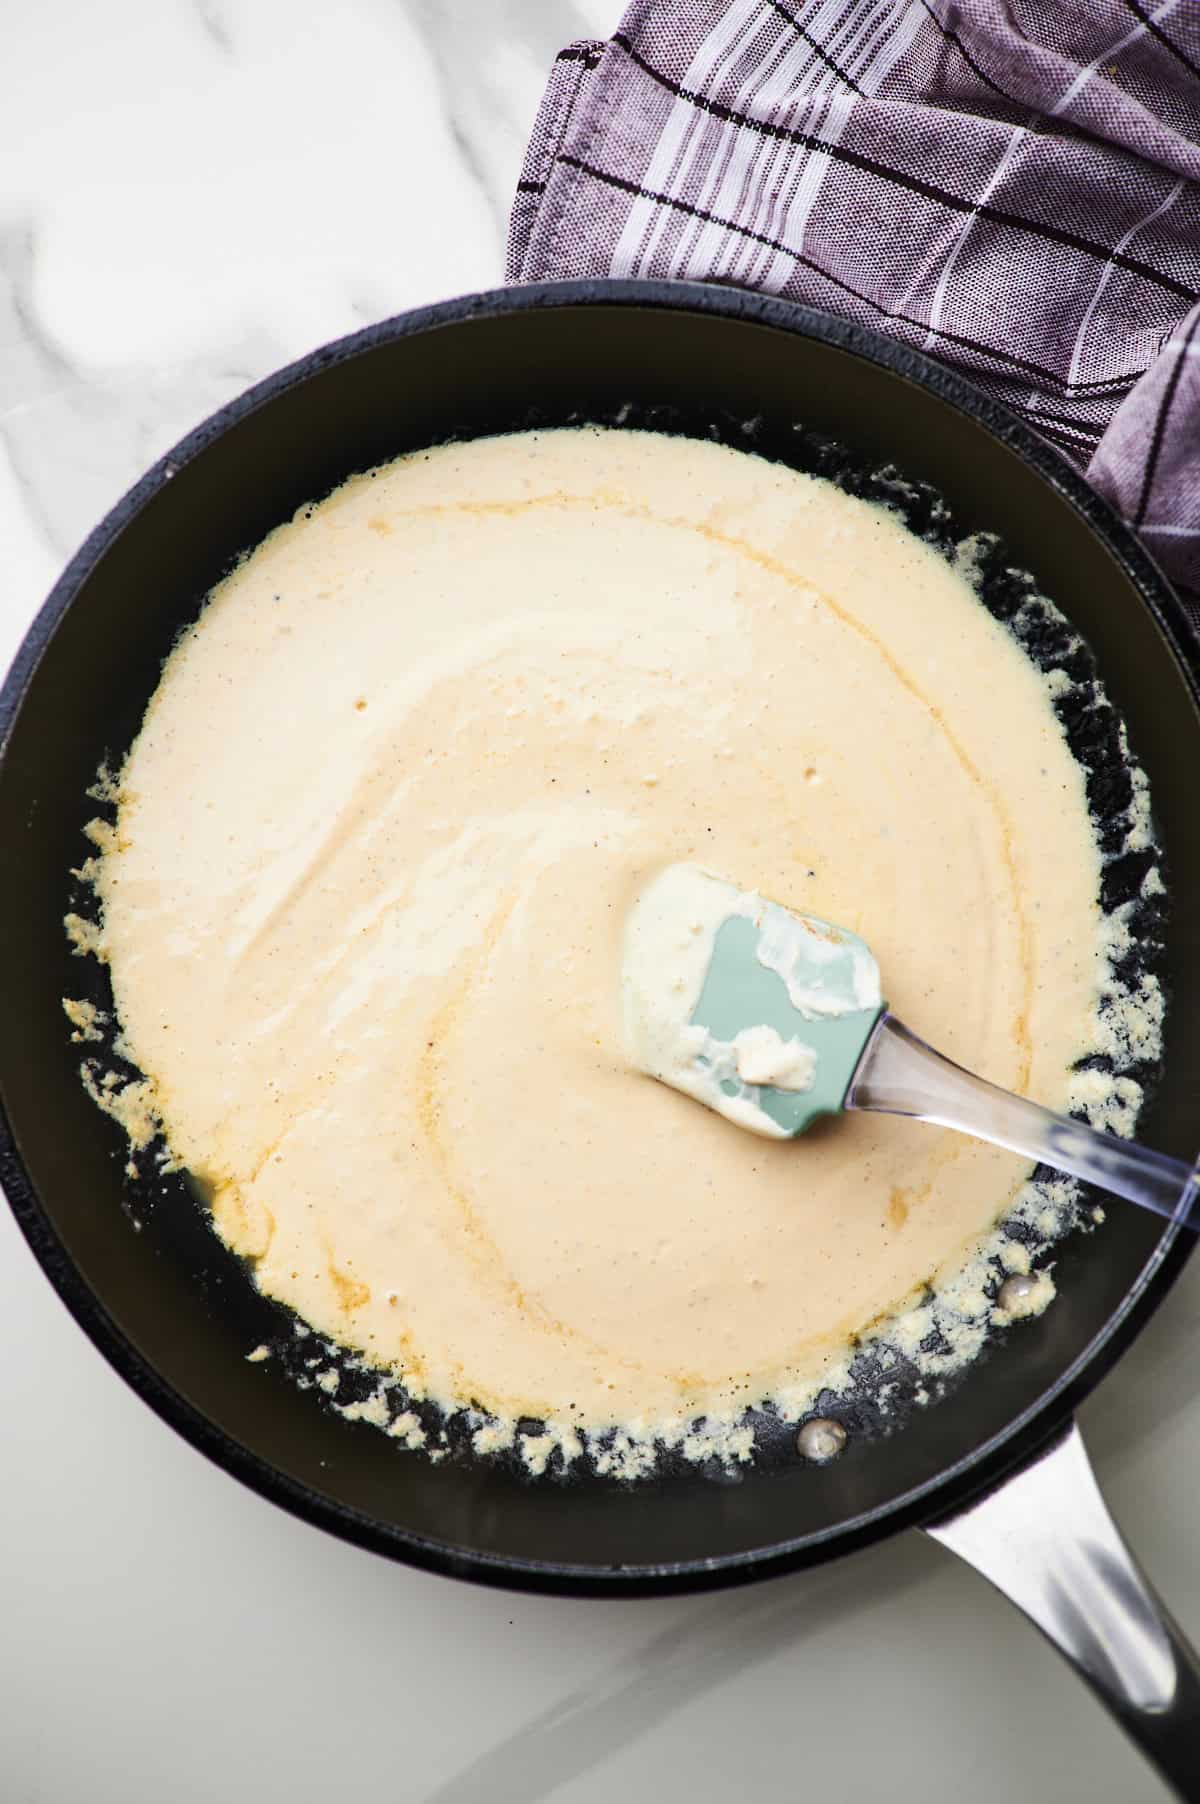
900 1075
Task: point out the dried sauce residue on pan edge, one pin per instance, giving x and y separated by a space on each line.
910 1359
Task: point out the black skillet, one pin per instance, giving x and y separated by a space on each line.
175 1315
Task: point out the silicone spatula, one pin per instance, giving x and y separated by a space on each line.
775 1019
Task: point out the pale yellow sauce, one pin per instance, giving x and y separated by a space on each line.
376 844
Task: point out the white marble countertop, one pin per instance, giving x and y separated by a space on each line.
191 193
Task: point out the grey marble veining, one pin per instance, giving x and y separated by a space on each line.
215 24
448 91
492 62
75 438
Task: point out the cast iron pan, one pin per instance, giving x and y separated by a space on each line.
176 1316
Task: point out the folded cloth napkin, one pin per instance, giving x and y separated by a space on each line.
1010 185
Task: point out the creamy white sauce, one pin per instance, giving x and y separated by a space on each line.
813 965
763 1056
363 908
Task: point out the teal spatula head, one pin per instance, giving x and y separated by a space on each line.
760 1013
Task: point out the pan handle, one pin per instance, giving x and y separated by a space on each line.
1044 1538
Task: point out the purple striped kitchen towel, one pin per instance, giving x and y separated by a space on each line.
1011 185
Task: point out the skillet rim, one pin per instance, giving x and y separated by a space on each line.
984 1467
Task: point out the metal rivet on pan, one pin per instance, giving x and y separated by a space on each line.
1014 1291
821 1439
